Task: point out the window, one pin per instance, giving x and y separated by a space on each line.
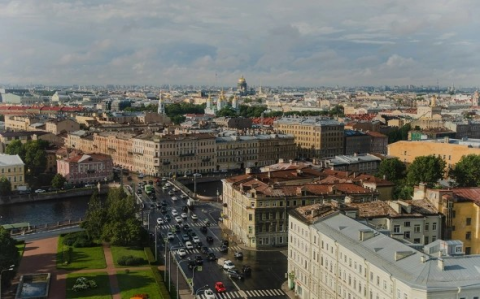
416 228
427 226
468 250
434 226
468 236
469 221
416 240
396 228
426 240
454 214
406 224
406 235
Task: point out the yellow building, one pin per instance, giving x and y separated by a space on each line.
407 151
461 211
315 137
12 168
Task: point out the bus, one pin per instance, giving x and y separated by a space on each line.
148 189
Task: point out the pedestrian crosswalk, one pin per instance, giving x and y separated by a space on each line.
196 224
249 294
214 249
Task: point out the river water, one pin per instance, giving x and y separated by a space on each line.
52 211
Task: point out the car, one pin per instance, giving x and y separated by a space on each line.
129 178
225 242
140 175
188 245
184 215
184 209
194 217
203 229
183 196
168 218
198 175
228 265
177 228
220 287
139 191
163 210
186 227
235 274
196 239
191 264
174 198
198 259
159 206
211 257
170 236
223 248
174 212
198 245
209 239
192 234
159 221
164 179
185 237
164 203
209 294
89 185
170 193
205 250
168 184
238 255
164 188
181 252
40 191
247 270
150 182
178 219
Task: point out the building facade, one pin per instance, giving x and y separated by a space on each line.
13 169
356 142
86 168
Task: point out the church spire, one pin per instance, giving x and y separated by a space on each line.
161 105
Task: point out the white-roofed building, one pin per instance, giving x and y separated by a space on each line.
333 256
12 168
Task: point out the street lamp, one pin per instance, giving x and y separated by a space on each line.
168 263
178 266
1 273
196 293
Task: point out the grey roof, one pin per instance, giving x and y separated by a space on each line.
459 271
10 160
312 121
352 159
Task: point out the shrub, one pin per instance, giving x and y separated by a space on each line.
130 260
78 239
150 257
159 280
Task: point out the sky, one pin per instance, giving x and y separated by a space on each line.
214 42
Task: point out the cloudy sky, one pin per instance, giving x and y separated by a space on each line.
270 42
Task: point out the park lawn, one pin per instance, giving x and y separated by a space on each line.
102 291
118 251
138 282
82 258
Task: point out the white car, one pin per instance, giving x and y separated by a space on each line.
170 236
39 191
194 217
140 175
174 212
159 221
164 188
174 198
196 239
181 252
189 245
183 196
184 215
228 265
178 219
168 184
209 294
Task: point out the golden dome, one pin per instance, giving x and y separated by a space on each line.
241 80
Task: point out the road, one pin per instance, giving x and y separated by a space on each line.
268 267
48 233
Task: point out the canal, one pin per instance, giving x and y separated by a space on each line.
52 211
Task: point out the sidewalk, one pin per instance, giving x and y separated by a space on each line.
287 291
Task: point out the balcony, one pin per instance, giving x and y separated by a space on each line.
186 154
90 171
206 160
166 162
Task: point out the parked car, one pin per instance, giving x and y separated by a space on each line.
174 198
40 191
238 255
232 273
209 239
223 248
168 218
159 221
220 287
204 229
194 217
170 236
198 259
188 245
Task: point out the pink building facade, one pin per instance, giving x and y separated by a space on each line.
86 168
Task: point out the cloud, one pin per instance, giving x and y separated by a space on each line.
374 42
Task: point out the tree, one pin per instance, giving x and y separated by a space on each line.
9 254
393 170
425 169
95 217
58 181
16 148
398 134
467 171
226 112
5 186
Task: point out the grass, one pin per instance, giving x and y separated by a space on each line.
102 291
118 252
138 282
81 258
21 248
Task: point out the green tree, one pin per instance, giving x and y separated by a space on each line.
226 112
15 148
5 186
35 157
467 171
393 170
58 181
425 169
397 134
9 254
95 217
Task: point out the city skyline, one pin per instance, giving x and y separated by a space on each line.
214 43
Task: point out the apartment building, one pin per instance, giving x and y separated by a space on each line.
7 137
20 123
12 168
315 137
378 142
86 168
57 126
256 204
353 163
356 142
461 209
252 149
331 256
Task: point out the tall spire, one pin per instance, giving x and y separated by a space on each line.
161 105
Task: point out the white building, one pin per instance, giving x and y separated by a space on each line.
333 256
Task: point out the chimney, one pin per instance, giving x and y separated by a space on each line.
441 264
423 259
